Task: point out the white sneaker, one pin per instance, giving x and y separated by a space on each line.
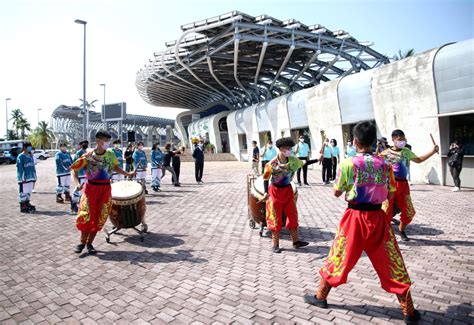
456 189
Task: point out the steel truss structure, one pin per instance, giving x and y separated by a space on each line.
66 122
243 60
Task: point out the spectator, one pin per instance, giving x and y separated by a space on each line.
302 152
336 158
255 158
129 158
224 145
176 162
268 153
350 149
167 164
326 152
455 158
198 155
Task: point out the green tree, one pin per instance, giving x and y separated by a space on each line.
11 135
42 136
23 125
88 105
17 118
402 55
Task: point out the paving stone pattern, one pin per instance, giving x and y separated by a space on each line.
201 262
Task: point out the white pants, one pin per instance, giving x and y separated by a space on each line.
64 182
25 190
76 195
156 174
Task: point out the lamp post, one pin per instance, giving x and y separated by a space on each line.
103 109
85 120
6 115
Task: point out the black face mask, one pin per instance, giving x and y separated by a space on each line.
85 146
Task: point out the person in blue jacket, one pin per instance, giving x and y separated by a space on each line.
63 173
140 164
117 150
156 167
26 177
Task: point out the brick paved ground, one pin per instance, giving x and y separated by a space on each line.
202 263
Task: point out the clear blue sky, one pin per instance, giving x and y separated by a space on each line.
41 52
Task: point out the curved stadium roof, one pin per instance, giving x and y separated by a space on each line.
242 60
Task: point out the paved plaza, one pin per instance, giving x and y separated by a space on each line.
202 263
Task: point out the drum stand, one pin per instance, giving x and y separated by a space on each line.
252 224
142 231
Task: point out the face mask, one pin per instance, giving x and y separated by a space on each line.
117 146
85 146
140 148
333 144
288 153
270 146
400 144
29 149
106 145
301 140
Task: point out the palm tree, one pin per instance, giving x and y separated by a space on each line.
16 117
405 55
88 105
23 125
42 136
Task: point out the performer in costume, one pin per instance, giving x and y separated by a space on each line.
76 195
168 155
96 200
140 163
63 173
367 181
156 167
279 194
399 156
117 150
26 177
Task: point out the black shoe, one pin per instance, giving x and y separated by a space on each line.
276 249
312 300
90 249
30 206
79 248
146 191
300 243
404 236
24 208
299 183
412 319
59 199
177 184
306 183
155 189
395 221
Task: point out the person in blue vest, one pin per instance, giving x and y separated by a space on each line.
117 150
140 163
268 153
156 167
302 152
76 195
63 173
26 177
198 155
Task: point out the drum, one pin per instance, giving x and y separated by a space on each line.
257 210
128 204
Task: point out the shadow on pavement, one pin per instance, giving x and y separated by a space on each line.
420 230
52 213
459 313
155 240
150 257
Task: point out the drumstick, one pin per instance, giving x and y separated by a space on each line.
434 143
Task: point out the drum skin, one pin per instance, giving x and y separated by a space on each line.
128 213
257 208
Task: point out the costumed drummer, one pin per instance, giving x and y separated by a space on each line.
367 181
140 163
26 177
96 200
279 194
63 161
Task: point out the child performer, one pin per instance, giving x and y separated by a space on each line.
76 195
117 150
96 201
156 167
140 163
278 173
63 173
367 180
399 157
26 177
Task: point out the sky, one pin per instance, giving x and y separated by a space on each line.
41 53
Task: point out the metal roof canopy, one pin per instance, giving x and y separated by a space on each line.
243 60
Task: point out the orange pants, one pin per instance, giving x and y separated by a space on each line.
281 199
402 199
366 231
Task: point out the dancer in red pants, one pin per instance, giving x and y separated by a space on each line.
367 181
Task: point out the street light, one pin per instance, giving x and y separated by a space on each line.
85 120
6 114
103 109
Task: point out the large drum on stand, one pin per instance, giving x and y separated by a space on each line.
128 207
256 207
